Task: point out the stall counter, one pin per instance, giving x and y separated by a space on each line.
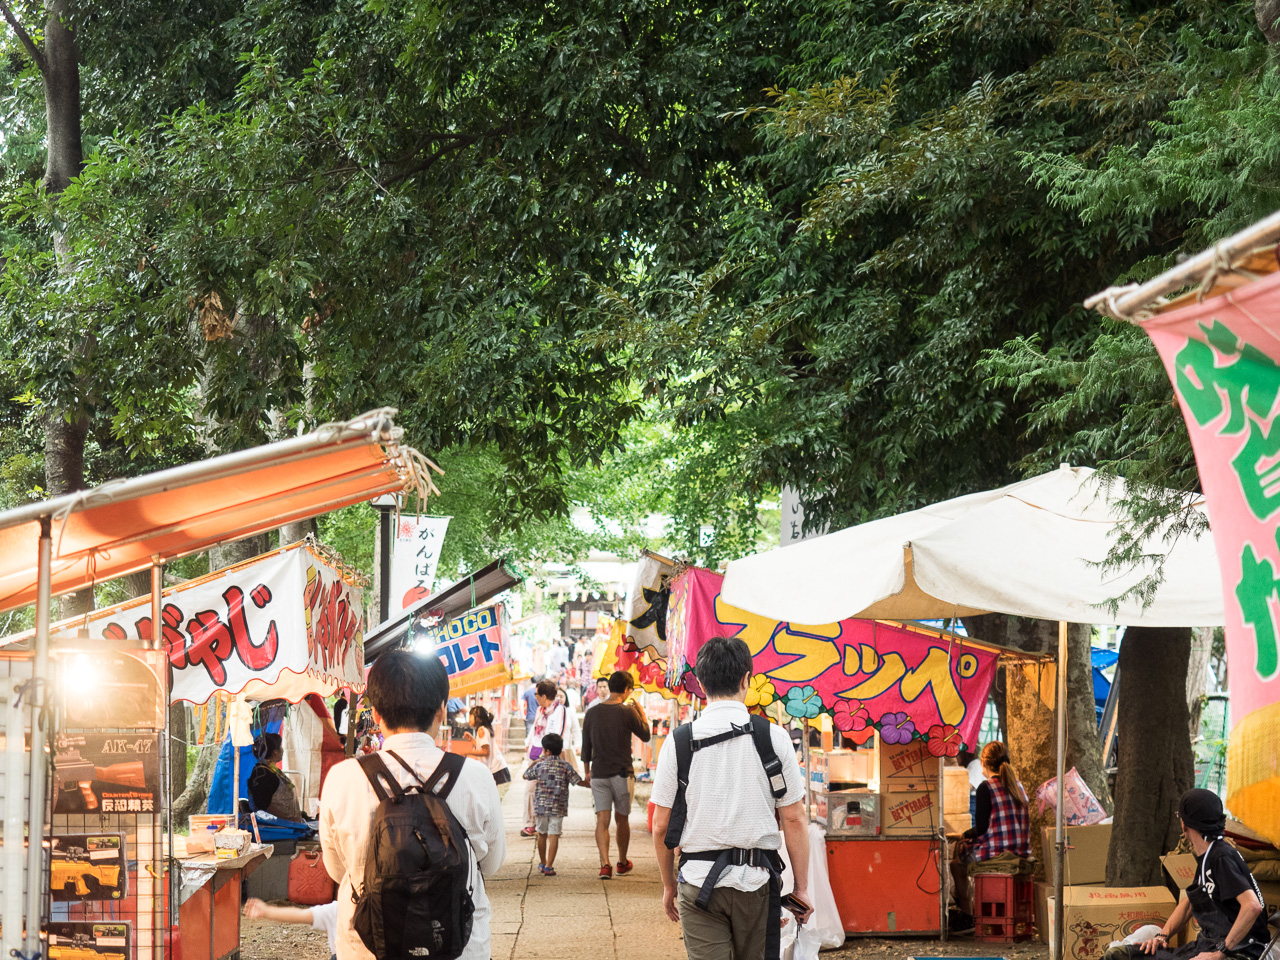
886 886
209 911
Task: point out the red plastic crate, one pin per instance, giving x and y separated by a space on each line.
1003 910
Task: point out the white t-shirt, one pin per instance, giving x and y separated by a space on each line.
346 812
728 800
325 917
497 762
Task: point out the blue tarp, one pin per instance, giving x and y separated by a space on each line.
1101 659
220 786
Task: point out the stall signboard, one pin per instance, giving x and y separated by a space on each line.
474 649
1223 357
283 626
870 676
415 554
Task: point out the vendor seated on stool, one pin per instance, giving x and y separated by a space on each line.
1224 898
1001 823
269 788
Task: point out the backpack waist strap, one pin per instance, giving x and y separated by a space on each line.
722 860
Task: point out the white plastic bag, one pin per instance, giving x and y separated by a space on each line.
1079 806
824 929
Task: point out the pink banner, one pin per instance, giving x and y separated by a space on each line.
1222 358
868 675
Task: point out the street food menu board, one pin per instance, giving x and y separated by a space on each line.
78 940
88 867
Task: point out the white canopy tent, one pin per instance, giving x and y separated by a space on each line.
1031 549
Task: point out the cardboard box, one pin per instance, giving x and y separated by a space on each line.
1270 896
1044 903
1094 916
955 790
910 813
908 766
1085 861
1181 868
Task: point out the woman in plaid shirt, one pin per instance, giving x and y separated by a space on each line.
1001 823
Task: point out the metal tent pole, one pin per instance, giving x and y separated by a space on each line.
1060 844
40 691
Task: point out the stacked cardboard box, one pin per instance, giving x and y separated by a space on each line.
1084 865
909 776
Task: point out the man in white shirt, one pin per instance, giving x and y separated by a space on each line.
407 692
732 817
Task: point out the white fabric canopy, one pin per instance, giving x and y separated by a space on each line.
1029 549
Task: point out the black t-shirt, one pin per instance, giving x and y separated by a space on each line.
606 738
1223 875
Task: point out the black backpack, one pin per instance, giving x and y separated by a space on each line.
415 902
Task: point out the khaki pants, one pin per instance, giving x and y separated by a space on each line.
731 928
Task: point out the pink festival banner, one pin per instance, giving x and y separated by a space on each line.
1222 357
869 675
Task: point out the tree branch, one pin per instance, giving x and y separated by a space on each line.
25 37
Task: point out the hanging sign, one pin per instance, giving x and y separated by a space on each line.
870 676
282 626
415 554
473 648
1223 357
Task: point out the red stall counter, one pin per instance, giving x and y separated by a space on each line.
885 886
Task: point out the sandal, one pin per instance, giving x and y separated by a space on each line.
606 872
548 871
624 867
526 832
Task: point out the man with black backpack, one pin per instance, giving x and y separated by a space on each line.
410 832
723 786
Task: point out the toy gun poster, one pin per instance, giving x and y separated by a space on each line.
87 867
80 940
106 773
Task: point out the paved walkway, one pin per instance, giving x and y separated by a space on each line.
575 914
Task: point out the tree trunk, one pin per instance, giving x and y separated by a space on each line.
293 532
192 798
1153 753
177 748
1198 674
65 429
1029 713
237 551
1267 12
64 473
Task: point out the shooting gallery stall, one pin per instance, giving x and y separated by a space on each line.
888 703
92 709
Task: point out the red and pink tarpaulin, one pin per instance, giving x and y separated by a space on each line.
868 675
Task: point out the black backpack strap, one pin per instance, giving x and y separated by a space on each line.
722 860
450 766
683 740
375 768
772 765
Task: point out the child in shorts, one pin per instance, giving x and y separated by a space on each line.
550 798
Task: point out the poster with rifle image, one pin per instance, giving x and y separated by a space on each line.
106 773
87 867
79 940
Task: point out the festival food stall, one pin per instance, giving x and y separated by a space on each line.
902 698
1037 548
100 700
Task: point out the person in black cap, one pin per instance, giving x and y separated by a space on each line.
1224 898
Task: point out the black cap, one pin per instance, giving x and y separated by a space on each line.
1201 810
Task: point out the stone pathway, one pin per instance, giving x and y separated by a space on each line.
575 914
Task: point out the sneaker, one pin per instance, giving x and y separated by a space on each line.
527 832
606 872
624 867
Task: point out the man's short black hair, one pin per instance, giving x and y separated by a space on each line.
546 688
620 681
600 680
407 689
722 663
553 743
